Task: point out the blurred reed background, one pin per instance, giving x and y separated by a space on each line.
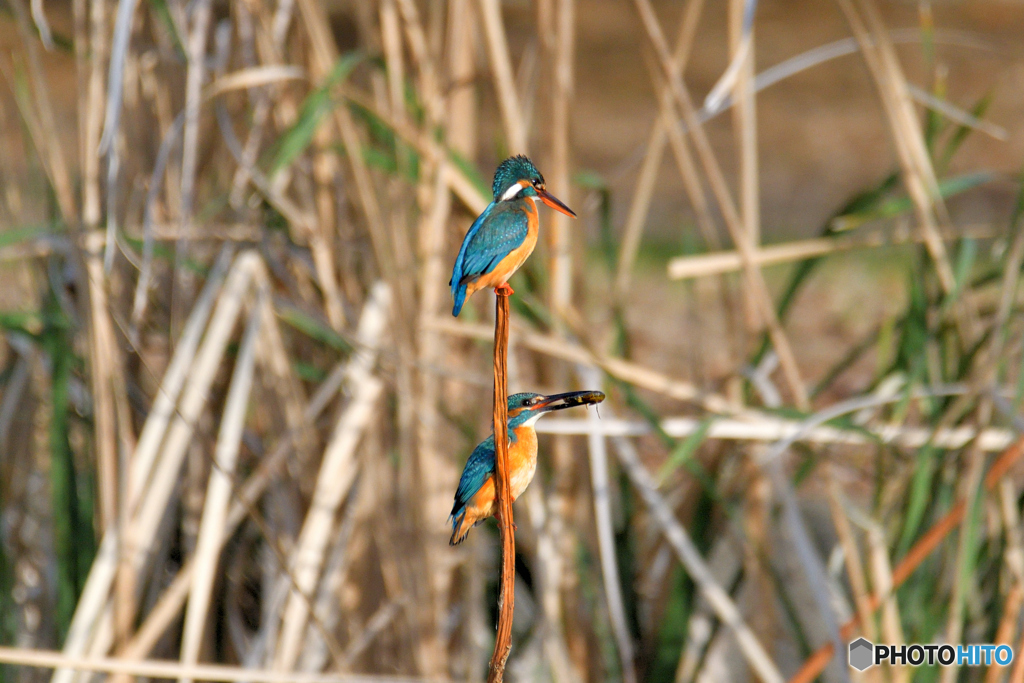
234 405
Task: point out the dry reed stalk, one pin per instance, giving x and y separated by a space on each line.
141 535
971 483
50 659
770 463
101 577
985 369
252 77
703 265
1010 518
684 162
423 59
218 493
324 54
43 120
321 237
1007 629
924 546
437 473
372 321
105 371
503 492
462 109
755 426
1017 674
726 205
555 26
639 205
113 418
881 574
278 375
374 625
692 184
559 238
504 82
194 76
212 232
755 519
459 181
741 43
337 474
93 113
689 556
91 603
419 418
600 484
271 51
175 376
622 369
852 560
905 129
550 562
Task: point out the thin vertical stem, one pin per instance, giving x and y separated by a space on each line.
504 81
503 490
561 258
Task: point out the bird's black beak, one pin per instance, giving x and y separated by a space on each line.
555 203
569 400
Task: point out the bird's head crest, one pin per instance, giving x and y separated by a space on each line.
510 172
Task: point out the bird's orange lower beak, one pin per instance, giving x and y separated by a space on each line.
555 203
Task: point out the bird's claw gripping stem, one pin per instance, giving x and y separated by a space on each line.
501 522
504 289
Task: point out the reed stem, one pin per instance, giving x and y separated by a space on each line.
503 490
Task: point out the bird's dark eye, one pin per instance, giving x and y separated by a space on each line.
536 182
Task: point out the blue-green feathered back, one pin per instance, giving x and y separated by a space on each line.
513 170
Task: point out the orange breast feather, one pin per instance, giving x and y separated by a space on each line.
522 460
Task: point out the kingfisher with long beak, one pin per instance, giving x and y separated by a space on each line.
504 235
475 498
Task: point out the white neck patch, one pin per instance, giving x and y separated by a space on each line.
533 420
511 192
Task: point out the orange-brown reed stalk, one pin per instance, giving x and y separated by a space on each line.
506 598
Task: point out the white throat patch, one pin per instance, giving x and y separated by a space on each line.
533 420
511 192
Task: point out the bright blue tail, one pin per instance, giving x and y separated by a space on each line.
460 298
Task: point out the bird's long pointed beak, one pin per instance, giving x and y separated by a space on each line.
555 203
570 400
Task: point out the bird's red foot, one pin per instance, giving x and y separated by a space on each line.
504 289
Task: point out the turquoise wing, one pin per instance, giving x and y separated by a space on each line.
502 230
479 466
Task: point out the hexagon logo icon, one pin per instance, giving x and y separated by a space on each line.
861 654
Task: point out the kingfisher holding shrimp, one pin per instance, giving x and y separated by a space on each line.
504 235
475 499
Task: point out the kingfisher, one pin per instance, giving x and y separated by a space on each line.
475 498
504 235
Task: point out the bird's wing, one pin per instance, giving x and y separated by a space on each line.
499 229
479 466
457 270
